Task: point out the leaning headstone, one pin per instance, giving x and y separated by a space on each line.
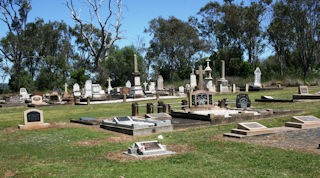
88 89
243 101
33 119
128 84
160 83
76 90
257 78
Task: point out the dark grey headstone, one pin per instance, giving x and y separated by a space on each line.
243 101
33 116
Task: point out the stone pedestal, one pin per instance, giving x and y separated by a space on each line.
136 91
223 86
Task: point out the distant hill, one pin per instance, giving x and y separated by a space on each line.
4 86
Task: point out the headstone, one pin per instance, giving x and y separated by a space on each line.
145 85
303 90
247 88
243 101
128 84
181 90
200 72
305 119
201 98
33 119
97 91
76 90
37 100
24 94
160 82
109 86
257 78
251 126
188 87
152 87
65 88
88 89
193 80
234 88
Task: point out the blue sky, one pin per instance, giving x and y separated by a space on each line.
135 18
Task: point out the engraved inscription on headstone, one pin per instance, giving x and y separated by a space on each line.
151 146
202 99
243 101
33 116
251 126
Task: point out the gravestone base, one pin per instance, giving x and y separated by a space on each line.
223 86
136 92
303 122
306 97
34 126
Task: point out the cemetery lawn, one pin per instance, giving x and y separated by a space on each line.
71 150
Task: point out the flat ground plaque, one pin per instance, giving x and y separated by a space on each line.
148 148
305 119
251 126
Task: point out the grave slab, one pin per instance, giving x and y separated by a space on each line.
303 122
147 148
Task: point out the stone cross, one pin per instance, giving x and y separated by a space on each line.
145 84
65 88
222 69
135 64
109 82
200 72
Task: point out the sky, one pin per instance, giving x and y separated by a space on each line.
135 18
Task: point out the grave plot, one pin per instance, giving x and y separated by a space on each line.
303 122
148 148
33 119
86 121
305 95
253 129
271 99
135 126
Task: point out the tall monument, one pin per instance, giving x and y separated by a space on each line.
136 90
223 83
208 79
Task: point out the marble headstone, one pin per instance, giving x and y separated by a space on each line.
128 84
160 83
88 89
76 90
257 78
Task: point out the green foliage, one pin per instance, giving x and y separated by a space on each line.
173 46
79 76
24 79
120 65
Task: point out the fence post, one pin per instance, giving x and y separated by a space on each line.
135 109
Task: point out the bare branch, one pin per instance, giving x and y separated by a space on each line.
6 55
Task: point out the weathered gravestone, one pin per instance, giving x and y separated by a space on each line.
251 126
303 90
193 80
109 86
128 84
24 94
88 89
181 90
243 101
152 87
33 119
37 100
160 83
148 148
76 90
257 78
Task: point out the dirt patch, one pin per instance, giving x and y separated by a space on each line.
9 173
120 156
306 140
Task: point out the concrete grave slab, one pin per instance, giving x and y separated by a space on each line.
86 121
148 148
251 126
303 122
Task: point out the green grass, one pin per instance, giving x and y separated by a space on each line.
53 152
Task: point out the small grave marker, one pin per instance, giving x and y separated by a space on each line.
148 148
251 126
305 119
303 90
33 119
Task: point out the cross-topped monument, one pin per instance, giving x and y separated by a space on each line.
200 72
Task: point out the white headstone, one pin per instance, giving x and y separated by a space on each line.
234 89
181 90
152 87
247 87
257 78
24 93
128 84
76 90
193 80
160 82
88 89
109 85
145 84
65 88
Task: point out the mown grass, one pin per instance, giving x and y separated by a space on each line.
53 152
